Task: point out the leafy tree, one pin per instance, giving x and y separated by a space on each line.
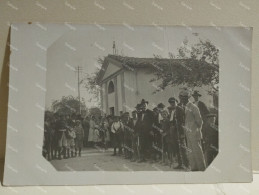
91 85
194 66
68 105
95 111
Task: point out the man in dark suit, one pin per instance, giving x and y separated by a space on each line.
157 132
204 111
145 129
157 140
201 105
175 143
134 138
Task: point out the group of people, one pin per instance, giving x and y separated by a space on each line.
183 135
63 136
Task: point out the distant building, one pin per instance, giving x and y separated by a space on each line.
125 81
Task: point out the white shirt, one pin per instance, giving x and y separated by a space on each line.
116 126
172 115
160 117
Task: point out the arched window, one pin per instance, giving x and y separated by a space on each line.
110 87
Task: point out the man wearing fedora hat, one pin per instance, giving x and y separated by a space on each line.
203 111
201 105
157 135
173 129
135 155
145 129
137 128
177 119
192 127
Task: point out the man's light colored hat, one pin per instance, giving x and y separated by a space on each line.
185 93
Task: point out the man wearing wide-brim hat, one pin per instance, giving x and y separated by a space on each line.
201 105
160 108
157 136
192 127
138 108
204 111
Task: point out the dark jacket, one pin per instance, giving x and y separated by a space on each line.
179 119
128 129
86 125
146 122
60 125
156 125
165 126
204 111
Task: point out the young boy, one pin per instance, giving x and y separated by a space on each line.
79 140
117 129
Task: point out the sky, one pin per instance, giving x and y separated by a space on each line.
82 45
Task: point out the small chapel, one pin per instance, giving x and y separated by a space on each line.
124 81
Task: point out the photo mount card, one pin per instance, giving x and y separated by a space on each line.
114 104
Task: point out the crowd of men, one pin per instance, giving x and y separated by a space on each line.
183 135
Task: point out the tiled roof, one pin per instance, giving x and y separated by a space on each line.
144 62
133 63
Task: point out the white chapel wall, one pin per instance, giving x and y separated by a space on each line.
130 89
137 89
103 98
119 83
110 70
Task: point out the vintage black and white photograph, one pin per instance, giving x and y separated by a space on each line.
122 98
124 104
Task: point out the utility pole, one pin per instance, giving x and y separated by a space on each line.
79 69
113 48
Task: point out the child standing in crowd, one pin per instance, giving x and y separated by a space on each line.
106 132
117 130
97 130
70 141
91 131
165 126
70 135
62 138
79 137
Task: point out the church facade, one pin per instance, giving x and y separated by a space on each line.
125 81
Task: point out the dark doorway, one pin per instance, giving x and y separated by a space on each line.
112 111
